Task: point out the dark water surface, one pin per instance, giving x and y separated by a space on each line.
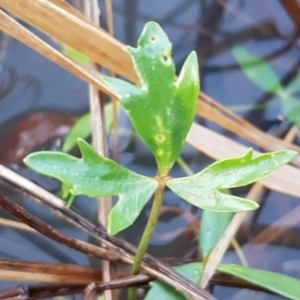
30 83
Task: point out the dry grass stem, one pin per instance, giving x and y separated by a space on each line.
78 33
16 225
211 110
20 33
30 187
91 11
51 273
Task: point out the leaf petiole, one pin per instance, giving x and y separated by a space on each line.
148 232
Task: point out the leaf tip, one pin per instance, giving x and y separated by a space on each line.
26 160
292 154
112 229
284 156
249 153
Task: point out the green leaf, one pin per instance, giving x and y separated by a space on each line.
258 71
293 87
213 224
204 189
75 55
162 291
162 109
291 109
97 176
83 129
280 284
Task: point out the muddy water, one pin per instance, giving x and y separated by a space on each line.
39 101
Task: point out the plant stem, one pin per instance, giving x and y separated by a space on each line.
150 227
148 232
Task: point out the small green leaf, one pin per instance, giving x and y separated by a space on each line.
280 284
97 176
291 109
162 109
75 55
213 224
258 71
204 189
83 129
293 87
162 291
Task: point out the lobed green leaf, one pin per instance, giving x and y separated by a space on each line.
204 189
279 284
97 176
163 108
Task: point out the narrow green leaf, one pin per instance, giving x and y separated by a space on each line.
97 176
83 128
293 87
213 224
291 109
75 55
204 189
258 71
280 284
162 291
162 109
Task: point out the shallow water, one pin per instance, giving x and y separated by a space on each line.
30 84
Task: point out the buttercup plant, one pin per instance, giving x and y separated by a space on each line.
162 110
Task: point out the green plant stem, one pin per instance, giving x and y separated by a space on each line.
150 227
184 166
148 232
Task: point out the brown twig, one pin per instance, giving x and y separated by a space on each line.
150 265
51 273
293 9
24 292
40 226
